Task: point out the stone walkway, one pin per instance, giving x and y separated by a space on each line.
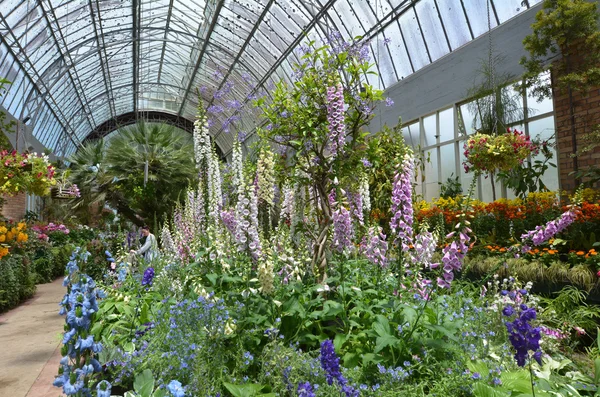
30 338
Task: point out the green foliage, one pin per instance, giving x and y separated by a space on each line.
451 188
589 175
17 282
527 177
383 146
143 386
114 173
568 309
299 126
568 28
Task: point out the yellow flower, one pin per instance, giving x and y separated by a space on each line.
3 230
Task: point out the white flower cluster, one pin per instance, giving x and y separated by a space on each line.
237 164
168 245
363 190
246 216
265 274
287 205
265 170
202 145
34 155
215 196
218 249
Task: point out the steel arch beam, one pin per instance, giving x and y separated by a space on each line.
130 118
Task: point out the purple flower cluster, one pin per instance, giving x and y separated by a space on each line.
331 365
306 390
402 209
453 255
335 118
148 277
544 233
343 231
522 335
356 203
424 248
375 247
228 218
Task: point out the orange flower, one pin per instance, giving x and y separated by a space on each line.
502 249
580 253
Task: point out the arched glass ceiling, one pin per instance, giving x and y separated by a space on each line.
75 64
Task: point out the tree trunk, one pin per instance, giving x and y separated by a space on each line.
321 243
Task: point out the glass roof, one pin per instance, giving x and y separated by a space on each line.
74 64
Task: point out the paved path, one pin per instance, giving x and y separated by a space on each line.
30 336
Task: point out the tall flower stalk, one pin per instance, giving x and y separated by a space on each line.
79 349
335 119
401 223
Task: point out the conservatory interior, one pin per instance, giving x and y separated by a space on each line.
337 198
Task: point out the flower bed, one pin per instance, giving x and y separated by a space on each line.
273 281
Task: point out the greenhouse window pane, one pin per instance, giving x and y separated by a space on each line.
467 127
432 187
544 129
398 51
478 16
448 162
414 39
507 9
410 133
348 18
446 125
455 22
432 29
429 130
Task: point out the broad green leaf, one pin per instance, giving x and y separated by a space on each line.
384 341
246 390
480 389
159 393
212 278
339 341
332 308
381 325
144 383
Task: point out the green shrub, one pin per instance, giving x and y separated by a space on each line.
17 282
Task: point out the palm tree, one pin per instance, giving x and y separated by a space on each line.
115 172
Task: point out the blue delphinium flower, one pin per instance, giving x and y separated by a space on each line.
331 363
176 389
148 277
524 337
508 311
306 390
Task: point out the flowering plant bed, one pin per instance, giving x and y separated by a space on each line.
281 285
